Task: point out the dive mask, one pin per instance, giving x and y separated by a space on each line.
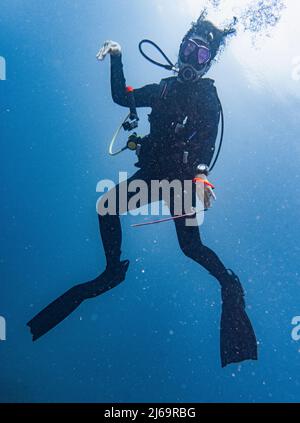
195 54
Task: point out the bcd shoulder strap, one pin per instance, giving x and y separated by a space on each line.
165 85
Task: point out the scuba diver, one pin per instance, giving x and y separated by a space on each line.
184 124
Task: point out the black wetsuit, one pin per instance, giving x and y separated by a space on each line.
162 158
162 151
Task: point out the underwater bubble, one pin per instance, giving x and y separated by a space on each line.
262 15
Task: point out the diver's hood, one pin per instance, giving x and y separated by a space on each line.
212 37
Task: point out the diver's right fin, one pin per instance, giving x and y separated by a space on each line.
64 305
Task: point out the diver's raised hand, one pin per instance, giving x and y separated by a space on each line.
109 47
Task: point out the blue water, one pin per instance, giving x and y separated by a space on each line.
155 337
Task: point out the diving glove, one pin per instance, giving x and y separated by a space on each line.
204 190
109 47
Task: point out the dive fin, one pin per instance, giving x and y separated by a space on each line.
238 340
64 305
